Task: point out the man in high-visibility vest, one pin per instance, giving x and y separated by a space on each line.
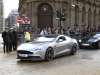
27 36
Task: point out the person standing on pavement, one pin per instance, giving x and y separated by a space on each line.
11 39
44 32
15 41
27 36
5 36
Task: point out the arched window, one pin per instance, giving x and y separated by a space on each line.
89 17
45 8
94 17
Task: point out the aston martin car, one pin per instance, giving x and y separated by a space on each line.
47 47
92 40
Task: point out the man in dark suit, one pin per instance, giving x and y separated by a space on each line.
11 39
5 36
15 41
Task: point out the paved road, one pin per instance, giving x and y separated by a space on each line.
85 62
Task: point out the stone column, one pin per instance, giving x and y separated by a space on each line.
80 18
67 15
97 21
30 13
86 19
33 17
72 16
54 15
92 19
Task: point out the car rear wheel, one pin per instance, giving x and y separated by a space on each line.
49 54
74 49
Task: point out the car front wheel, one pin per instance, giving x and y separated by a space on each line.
49 54
74 49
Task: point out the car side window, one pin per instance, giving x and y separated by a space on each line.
62 38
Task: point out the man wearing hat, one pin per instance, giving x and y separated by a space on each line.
5 36
11 39
15 41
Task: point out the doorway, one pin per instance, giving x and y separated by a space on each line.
45 16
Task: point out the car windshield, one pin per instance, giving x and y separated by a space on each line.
45 39
96 36
90 35
93 35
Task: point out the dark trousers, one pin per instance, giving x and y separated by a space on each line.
27 41
15 45
5 46
10 46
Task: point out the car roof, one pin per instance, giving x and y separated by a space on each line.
53 35
49 36
94 33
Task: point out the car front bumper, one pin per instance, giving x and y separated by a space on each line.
28 55
88 44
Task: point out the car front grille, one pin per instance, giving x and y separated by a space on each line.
24 52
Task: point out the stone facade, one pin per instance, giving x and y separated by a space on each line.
11 20
1 16
77 12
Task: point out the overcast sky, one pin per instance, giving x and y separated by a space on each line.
9 5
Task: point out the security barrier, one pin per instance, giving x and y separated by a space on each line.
21 38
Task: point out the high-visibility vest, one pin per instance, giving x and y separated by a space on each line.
27 36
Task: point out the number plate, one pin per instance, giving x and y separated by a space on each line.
85 44
23 55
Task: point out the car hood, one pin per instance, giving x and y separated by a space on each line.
88 39
85 39
29 46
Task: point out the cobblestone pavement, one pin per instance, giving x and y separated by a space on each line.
85 62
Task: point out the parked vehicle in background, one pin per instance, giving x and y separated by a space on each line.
47 47
92 40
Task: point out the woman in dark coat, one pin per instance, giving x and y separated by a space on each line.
5 36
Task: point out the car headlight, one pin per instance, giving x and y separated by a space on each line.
35 49
80 40
95 40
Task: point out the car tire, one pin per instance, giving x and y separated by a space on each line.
98 45
74 49
49 54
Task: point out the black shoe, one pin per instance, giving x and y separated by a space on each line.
10 51
7 52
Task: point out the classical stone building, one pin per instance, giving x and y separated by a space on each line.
78 13
11 20
1 15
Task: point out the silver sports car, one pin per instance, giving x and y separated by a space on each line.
47 47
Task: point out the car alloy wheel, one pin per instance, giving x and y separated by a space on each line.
49 54
74 49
